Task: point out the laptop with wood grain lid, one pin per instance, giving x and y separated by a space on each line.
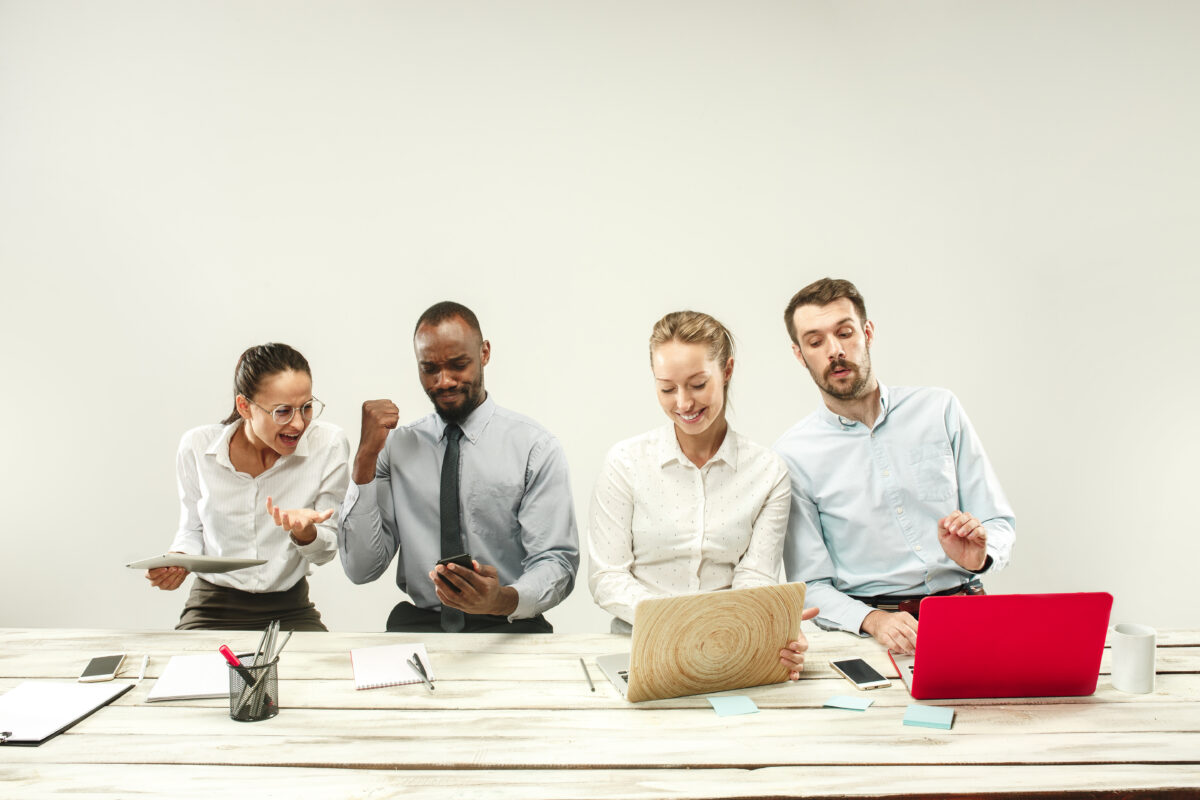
1007 645
707 642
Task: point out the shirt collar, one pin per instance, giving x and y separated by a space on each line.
669 449
845 423
473 425
220 447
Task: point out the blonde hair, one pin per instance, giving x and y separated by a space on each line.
694 327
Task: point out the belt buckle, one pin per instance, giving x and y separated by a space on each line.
913 607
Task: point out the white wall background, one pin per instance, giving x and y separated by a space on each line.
1013 185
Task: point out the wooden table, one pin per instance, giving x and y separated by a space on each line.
512 717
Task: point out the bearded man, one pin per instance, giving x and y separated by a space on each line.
893 497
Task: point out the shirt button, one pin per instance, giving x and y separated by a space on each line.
899 509
886 473
917 548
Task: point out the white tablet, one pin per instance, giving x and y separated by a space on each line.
197 563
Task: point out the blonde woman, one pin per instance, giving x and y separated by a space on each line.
692 506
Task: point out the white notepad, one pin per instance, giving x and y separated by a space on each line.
192 677
36 710
387 665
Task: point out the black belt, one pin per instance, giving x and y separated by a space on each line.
911 602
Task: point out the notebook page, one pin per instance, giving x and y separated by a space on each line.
387 665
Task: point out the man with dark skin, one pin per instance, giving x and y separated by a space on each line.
514 509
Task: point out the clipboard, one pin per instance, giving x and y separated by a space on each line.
36 711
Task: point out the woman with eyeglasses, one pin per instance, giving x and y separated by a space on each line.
252 487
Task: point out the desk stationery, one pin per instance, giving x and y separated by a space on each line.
512 716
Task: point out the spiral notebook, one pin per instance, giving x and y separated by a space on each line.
387 665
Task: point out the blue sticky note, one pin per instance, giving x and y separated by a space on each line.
929 716
849 703
732 705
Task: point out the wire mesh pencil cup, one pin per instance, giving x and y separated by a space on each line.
253 691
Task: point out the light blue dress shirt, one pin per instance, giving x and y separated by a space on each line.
515 496
866 501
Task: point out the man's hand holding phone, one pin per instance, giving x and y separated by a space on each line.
472 588
439 574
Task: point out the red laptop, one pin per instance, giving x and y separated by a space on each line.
1007 645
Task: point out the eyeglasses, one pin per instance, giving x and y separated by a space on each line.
282 414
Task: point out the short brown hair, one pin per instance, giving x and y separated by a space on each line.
822 293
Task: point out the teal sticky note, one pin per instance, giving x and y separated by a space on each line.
929 716
731 706
849 703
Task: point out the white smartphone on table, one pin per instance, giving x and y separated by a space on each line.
860 673
102 668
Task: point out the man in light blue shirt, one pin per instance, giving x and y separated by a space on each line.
893 498
514 512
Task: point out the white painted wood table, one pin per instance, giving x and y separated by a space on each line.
512 717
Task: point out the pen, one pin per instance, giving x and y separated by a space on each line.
142 671
587 674
262 641
258 692
415 663
247 678
279 649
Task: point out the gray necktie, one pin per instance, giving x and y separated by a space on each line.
452 543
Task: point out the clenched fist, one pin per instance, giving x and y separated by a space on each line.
378 417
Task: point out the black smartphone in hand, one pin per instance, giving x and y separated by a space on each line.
463 560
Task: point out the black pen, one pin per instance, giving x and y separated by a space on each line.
415 663
587 674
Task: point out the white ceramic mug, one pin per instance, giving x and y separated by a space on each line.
1133 658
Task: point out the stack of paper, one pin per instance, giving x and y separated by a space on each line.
192 677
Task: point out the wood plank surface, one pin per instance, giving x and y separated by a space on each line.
675 747
65 662
166 642
614 724
512 717
562 695
184 782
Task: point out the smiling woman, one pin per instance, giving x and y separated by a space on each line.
251 487
692 506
